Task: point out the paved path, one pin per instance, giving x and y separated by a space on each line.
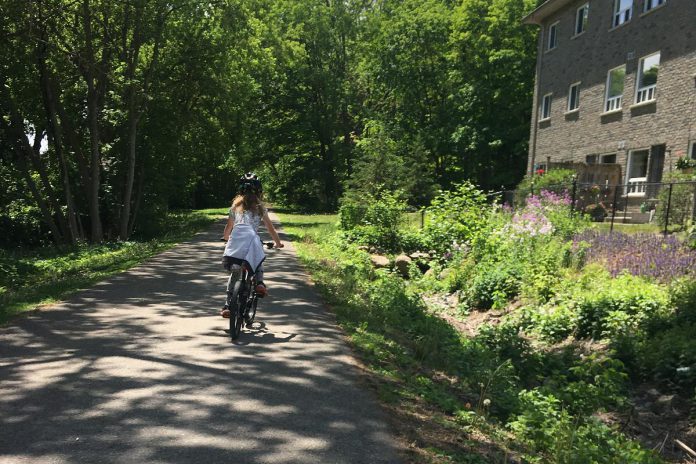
139 369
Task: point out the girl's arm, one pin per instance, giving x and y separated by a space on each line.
228 228
269 225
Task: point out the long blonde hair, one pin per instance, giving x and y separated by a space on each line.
248 202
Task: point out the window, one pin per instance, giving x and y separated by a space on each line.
574 97
692 153
546 107
623 9
553 36
615 88
651 4
609 159
647 78
581 18
591 159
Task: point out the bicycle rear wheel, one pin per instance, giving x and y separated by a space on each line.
251 314
236 305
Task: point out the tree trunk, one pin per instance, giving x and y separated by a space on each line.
93 98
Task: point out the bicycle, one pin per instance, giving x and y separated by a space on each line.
242 299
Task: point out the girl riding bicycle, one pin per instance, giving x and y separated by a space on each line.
244 243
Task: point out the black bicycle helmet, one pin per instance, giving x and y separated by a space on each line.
250 183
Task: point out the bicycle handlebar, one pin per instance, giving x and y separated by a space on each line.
268 245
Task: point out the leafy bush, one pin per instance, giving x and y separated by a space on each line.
455 216
492 286
374 221
554 435
619 307
682 202
555 180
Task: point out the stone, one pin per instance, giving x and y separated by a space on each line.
403 263
380 261
419 255
364 248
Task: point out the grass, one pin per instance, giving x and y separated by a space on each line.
408 353
31 278
639 229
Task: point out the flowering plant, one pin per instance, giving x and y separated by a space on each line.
648 255
685 163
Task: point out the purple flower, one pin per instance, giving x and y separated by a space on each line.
648 255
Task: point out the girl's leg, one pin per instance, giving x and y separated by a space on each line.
259 274
260 286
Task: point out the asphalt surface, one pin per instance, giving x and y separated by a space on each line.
140 369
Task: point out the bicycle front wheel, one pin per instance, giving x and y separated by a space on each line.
236 305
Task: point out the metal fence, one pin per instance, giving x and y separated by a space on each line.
670 205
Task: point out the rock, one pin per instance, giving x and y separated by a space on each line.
403 263
444 274
419 255
429 272
379 261
364 248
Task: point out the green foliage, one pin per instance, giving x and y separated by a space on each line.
681 203
553 180
456 217
492 286
553 434
374 220
619 307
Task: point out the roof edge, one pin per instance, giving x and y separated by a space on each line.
544 10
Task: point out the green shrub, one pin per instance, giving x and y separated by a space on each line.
554 180
669 357
619 307
492 286
455 217
553 435
374 221
681 204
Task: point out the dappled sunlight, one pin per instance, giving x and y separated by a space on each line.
140 368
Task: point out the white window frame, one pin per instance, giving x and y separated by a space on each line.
617 101
543 107
648 93
620 17
649 5
553 26
577 97
585 17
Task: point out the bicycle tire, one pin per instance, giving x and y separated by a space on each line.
236 310
252 311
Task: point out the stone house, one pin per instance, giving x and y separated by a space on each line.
615 85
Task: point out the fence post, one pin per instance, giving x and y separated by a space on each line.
575 192
625 212
693 212
613 208
531 188
669 206
422 218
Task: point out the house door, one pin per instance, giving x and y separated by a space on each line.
637 173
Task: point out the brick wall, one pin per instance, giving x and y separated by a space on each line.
587 58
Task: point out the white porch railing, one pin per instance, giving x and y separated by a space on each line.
637 187
614 103
647 93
